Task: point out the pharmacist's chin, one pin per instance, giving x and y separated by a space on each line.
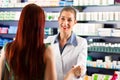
65 31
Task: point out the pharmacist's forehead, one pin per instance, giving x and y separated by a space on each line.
67 14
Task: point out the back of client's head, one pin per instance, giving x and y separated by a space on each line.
25 53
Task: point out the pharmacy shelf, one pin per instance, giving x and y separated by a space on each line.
9 22
92 70
105 14
100 22
46 8
10 36
51 24
101 55
112 8
97 8
84 8
97 55
11 9
107 39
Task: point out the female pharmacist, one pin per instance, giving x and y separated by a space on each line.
70 50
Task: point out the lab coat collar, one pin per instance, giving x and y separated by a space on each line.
72 40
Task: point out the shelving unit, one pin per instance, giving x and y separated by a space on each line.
89 12
109 17
8 21
99 52
93 70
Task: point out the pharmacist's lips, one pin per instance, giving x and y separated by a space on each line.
64 27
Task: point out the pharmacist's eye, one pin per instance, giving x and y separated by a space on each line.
69 20
62 19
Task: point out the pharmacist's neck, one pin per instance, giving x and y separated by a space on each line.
64 37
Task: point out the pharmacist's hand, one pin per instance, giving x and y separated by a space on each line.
77 71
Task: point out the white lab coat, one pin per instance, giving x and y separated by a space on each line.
71 55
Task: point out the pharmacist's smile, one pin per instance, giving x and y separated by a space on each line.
65 27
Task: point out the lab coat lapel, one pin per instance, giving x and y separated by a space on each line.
67 49
58 59
56 49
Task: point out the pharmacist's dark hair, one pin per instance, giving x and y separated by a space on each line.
69 9
25 53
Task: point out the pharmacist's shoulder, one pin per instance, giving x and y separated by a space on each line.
81 39
50 39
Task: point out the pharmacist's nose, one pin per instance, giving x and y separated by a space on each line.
65 23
